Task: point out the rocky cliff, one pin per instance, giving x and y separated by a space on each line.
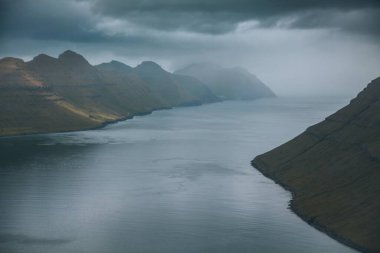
333 171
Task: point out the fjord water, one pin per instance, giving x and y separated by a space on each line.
174 181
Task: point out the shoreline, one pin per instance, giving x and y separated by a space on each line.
256 164
100 126
106 123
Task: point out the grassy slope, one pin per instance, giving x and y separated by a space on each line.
35 110
66 93
333 171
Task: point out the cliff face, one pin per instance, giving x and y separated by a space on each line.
228 83
333 171
67 93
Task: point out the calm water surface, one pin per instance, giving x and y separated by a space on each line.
175 181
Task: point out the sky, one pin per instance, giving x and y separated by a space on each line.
296 47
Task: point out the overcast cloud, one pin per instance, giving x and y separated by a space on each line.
295 46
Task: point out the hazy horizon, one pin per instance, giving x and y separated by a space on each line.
297 47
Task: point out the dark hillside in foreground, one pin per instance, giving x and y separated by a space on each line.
333 171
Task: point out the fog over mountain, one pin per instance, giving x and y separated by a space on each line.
228 83
296 47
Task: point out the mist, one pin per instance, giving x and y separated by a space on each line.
295 48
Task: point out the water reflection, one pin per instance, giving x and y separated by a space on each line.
174 181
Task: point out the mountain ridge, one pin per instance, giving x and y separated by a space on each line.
67 93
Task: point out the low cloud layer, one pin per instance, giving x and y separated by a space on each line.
295 46
221 16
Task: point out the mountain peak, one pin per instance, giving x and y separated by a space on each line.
149 65
72 57
114 66
118 64
44 58
10 64
68 53
11 60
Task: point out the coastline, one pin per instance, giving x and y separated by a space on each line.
106 123
258 165
255 163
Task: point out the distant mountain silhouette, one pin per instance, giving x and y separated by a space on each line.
67 93
176 89
333 171
228 83
114 66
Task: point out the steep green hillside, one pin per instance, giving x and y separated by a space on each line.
333 171
67 93
36 111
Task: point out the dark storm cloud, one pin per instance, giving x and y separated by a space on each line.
77 20
222 16
304 46
46 20
363 21
256 8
